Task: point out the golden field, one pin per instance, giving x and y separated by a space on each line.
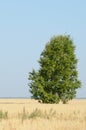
28 114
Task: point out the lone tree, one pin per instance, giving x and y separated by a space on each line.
57 77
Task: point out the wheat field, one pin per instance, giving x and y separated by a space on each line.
28 114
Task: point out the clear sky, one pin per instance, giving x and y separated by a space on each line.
25 27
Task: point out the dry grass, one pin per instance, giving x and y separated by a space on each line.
27 114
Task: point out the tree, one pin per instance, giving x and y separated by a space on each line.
57 77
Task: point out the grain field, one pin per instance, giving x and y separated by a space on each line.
28 114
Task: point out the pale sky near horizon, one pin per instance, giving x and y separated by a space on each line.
25 27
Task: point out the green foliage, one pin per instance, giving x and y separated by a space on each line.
49 115
57 78
3 115
36 113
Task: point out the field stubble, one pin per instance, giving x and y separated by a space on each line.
28 114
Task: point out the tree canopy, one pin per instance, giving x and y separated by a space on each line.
57 77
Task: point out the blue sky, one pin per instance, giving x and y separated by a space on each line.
25 27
